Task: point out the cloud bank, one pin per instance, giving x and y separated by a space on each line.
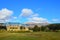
38 20
5 14
32 17
28 14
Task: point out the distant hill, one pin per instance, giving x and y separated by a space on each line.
31 24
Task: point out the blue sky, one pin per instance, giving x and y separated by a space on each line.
37 10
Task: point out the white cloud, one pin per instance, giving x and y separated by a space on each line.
55 20
5 14
26 12
38 20
35 15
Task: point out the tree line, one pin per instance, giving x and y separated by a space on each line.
50 27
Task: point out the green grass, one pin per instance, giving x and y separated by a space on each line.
30 36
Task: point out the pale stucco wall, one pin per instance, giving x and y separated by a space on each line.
18 28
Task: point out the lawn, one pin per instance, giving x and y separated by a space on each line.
30 36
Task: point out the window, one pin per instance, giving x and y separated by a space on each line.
13 27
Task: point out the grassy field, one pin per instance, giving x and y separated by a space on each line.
30 36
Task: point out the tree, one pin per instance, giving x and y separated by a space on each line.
43 28
54 27
36 28
2 26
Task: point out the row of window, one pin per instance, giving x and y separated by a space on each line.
17 27
13 27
